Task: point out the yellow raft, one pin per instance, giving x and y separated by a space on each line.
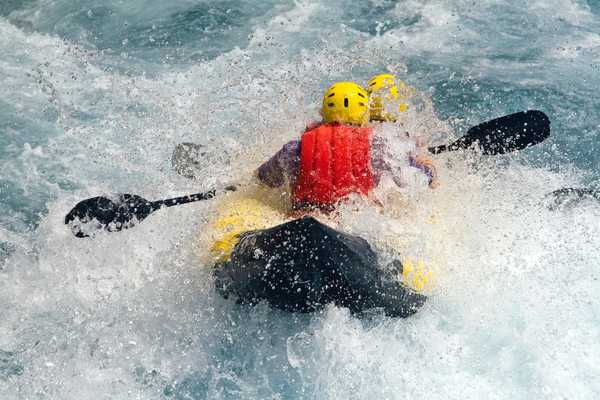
251 208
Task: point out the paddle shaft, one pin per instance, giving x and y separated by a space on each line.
190 198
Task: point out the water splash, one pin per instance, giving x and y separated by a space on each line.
95 98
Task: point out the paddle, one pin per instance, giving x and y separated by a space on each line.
122 211
498 136
503 135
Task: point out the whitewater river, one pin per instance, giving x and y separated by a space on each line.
95 95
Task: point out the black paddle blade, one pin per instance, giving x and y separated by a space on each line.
119 212
503 135
568 197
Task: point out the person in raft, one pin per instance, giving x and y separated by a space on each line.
341 154
387 102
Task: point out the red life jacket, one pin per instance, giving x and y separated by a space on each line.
335 160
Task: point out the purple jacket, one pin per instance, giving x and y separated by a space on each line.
285 164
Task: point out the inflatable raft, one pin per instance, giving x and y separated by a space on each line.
303 265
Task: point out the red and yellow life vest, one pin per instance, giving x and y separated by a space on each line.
335 160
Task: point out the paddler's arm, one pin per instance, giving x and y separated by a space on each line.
425 165
381 157
284 164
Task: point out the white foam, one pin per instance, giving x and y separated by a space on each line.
514 313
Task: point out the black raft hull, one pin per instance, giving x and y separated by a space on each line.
302 265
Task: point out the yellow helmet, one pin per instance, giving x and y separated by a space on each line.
385 93
346 103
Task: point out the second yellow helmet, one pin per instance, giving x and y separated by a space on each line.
386 94
346 103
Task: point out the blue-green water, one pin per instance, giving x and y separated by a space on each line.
94 96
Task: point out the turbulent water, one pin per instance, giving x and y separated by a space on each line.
94 97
